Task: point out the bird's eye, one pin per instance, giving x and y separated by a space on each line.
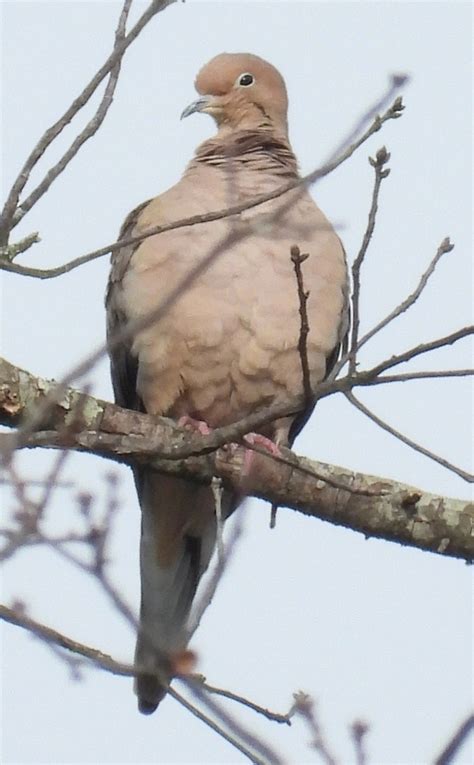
246 79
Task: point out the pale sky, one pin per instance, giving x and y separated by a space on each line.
370 629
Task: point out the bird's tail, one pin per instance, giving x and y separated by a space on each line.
177 541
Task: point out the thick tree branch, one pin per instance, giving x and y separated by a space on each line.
381 507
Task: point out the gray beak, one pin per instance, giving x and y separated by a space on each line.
197 106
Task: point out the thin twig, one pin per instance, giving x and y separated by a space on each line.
89 130
447 755
106 662
297 258
393 112
359 731
217 490
268 755
412 444
51 481
381 158
360 380
273 716
443 248
304 706
100 659
233 740
41 482
8 219
205 599
419 350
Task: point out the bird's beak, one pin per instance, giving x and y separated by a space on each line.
202 104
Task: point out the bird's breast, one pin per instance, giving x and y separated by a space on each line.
228 343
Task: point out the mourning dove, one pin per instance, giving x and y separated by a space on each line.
228 345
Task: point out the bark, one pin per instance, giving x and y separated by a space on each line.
374 506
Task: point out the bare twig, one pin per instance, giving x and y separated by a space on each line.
41 482
359 731
297 258
347 150
419 350
8 219
217 490
381 158
49 635
273 716
265 754
233 740
51 481
412 444
443 248
89 130
362 380
304 706
205 599
447 755
106 662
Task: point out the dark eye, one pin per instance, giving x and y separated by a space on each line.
246 79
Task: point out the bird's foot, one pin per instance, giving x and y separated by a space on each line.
197 425
256 439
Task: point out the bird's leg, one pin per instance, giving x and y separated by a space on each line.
198 425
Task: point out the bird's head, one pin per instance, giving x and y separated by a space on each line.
241 91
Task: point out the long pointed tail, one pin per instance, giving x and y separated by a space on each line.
177 541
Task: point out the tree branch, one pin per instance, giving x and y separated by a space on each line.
381 507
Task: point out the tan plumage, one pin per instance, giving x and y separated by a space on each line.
229 344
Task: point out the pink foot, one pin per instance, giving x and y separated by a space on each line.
198 425
256 439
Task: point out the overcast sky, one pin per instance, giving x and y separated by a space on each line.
372 630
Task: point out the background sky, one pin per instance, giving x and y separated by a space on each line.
370 629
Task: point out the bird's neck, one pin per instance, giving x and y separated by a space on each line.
258 149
